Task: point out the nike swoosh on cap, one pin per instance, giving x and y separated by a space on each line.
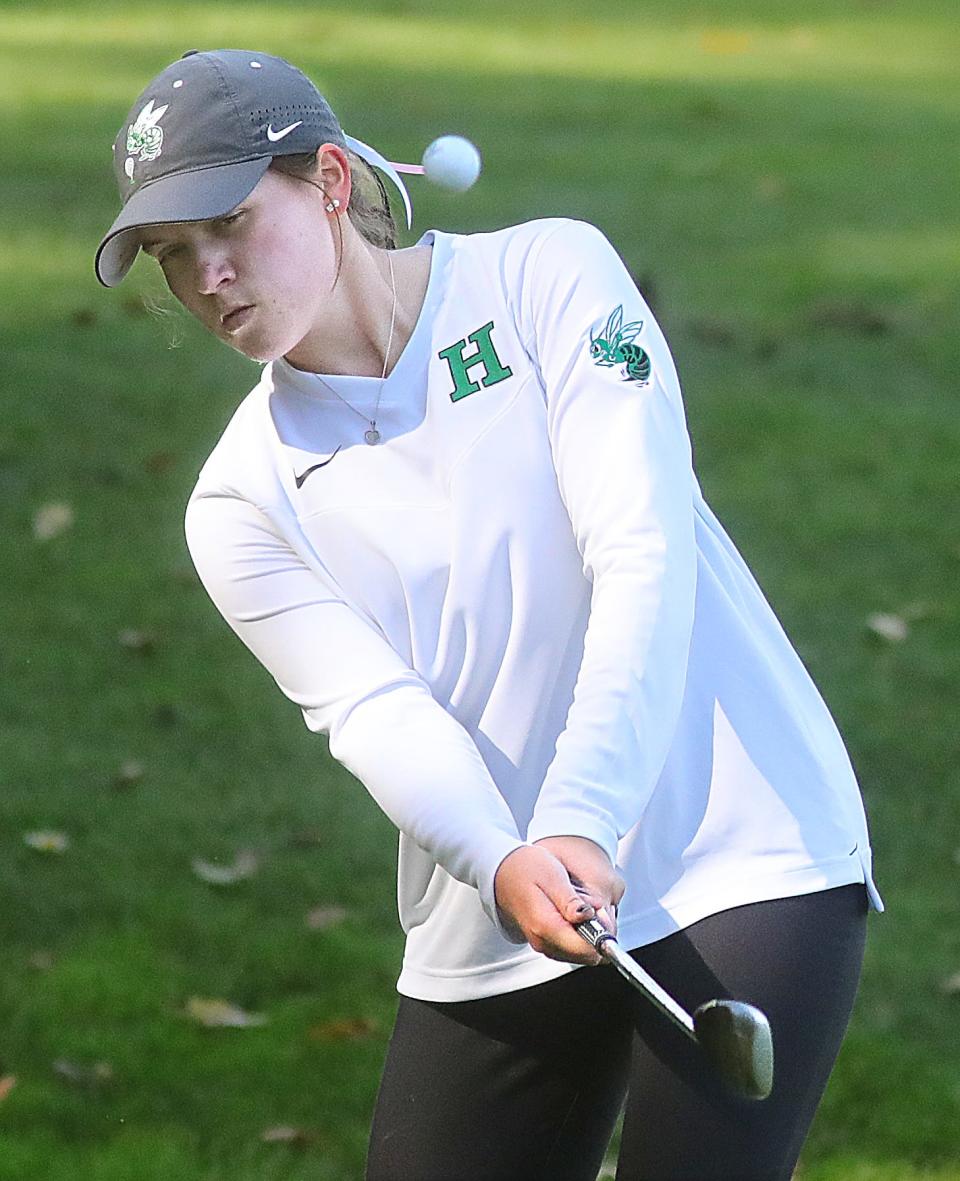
300 479
273 136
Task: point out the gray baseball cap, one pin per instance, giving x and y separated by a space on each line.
200 137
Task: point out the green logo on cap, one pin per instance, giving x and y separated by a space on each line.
144 137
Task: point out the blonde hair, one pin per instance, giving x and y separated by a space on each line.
368 208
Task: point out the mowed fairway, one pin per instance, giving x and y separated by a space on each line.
783 183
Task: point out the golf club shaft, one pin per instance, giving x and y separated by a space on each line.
606 944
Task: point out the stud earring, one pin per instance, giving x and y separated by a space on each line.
332 205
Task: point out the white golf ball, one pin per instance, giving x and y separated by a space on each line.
453 162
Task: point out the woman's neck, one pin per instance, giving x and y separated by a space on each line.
353 338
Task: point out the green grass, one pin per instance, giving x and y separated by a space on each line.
784 185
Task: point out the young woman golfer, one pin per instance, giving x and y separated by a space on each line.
458 521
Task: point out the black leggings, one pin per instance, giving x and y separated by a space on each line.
527 1086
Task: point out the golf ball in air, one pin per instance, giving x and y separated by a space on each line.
453 162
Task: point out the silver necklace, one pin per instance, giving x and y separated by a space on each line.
372 435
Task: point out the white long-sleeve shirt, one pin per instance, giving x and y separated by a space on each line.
516 616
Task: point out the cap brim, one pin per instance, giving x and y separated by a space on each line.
185 196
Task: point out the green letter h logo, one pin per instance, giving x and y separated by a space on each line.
485 355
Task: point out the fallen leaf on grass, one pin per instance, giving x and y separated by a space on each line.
128 774
895 626
244 866
217 1013
6 1086
951 986
159 463
79 1074
47 841
342 1029
286 1135
889 627
322 917
51 520
137 640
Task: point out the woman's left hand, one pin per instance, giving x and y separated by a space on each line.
592 872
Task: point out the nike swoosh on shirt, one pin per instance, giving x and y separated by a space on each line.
273 136
301 478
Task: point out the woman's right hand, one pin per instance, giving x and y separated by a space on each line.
537 899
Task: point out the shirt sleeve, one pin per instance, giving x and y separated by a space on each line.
384 726
624 467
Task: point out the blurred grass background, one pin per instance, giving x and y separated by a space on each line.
784 184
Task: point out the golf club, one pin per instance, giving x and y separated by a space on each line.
734 1036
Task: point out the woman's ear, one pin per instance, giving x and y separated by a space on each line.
333 173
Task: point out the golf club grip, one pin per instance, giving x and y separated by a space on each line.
606 944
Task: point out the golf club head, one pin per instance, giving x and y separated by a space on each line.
736 1039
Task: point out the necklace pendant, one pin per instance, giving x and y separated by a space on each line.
372 435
